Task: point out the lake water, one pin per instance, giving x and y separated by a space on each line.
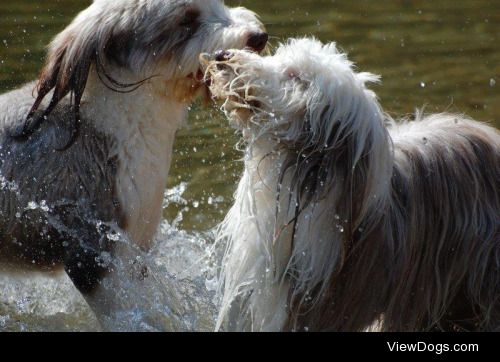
442 54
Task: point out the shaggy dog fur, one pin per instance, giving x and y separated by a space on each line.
343 218
88 147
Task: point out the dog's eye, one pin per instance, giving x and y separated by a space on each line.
190 18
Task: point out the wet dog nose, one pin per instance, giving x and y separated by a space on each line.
257 41
222 56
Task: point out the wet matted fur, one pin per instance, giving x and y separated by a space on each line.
88 147
344 219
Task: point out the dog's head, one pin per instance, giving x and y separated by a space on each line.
309 98
305 88
163 37
143 39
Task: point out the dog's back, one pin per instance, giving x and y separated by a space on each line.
446 193
433 260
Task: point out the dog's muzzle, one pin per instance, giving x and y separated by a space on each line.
220 56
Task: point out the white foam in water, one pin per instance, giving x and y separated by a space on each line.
184 268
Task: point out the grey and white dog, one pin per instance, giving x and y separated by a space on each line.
345 219
89 145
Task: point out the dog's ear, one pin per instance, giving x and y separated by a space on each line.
347 144
66 69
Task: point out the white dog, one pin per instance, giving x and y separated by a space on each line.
343 218
91 144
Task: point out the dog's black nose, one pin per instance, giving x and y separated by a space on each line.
222 55
257 41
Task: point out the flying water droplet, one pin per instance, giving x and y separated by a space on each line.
32 205
113 236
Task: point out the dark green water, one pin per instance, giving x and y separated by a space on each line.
443 54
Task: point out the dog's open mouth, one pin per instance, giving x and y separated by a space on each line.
199 86
220 66
217 74
231 86
210 64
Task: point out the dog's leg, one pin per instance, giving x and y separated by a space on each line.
84 268
131 297
116 280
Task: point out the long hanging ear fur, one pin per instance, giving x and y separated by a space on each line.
66 70
69 60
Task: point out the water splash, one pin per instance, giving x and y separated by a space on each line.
184 267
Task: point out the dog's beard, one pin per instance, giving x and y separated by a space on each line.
231 88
